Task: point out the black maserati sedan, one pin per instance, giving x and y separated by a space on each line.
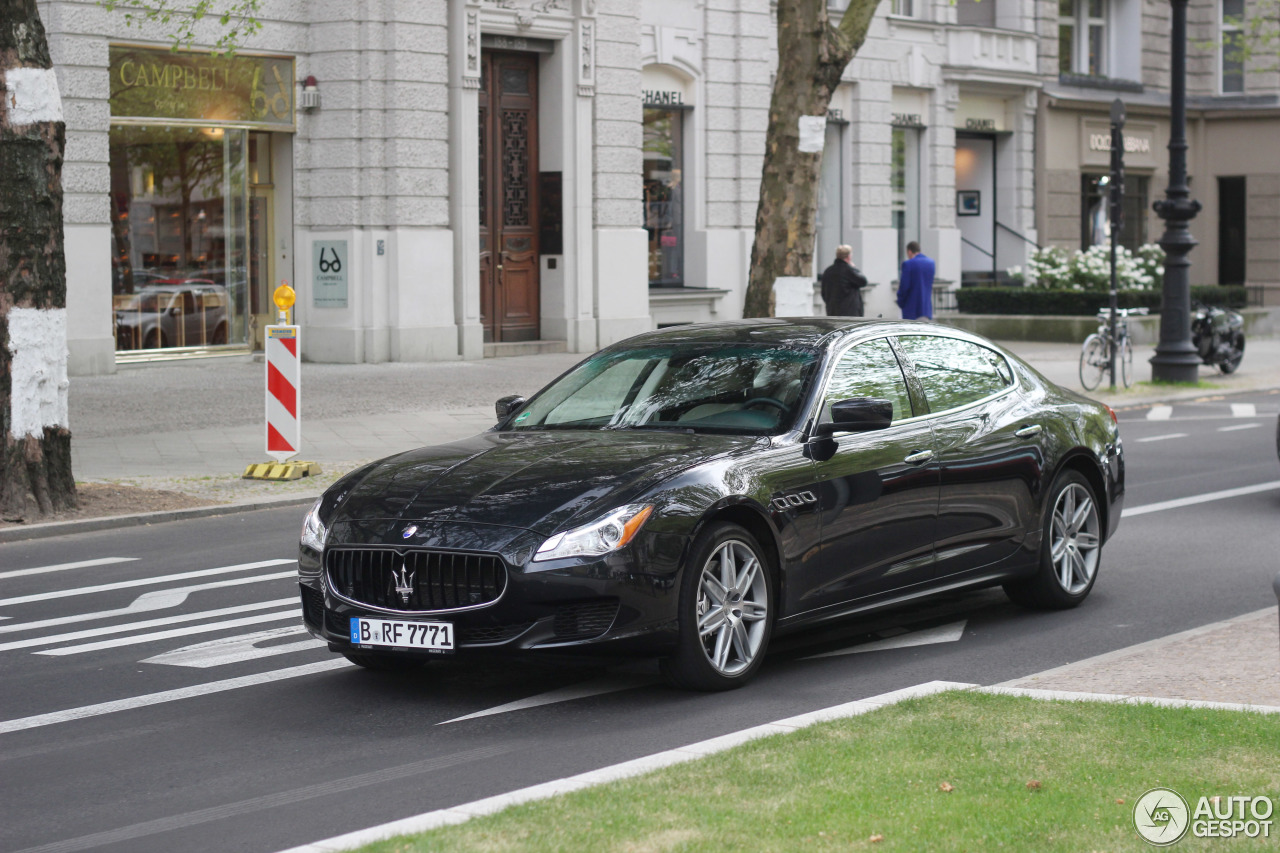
691 492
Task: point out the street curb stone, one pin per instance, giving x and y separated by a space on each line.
50 529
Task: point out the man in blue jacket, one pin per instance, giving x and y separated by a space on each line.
915 286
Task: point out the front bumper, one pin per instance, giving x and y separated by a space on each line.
624 603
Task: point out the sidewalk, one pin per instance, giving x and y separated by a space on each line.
174 425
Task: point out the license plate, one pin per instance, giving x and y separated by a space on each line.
433 636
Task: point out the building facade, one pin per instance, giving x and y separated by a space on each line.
444 180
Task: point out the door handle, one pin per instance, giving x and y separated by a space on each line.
1029 431
918 457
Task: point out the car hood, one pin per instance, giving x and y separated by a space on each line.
531 480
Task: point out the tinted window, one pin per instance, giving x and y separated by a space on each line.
869 370
954 372
741 388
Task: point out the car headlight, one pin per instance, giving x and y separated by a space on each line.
313 529
601 536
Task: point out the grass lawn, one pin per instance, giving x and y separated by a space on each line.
953 771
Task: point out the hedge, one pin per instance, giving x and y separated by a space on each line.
1079 303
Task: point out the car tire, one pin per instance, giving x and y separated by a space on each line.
726 611
1070 548
385 663
155 340
219 335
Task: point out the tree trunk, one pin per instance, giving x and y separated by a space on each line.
812 55
35 468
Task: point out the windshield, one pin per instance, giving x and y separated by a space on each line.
738 388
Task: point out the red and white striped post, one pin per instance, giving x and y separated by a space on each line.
284 382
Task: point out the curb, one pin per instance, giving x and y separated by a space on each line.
50 529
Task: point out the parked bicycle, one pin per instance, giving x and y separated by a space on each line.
1095 353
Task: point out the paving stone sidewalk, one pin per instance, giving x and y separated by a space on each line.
1235 661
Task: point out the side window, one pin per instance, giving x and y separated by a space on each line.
954 372
869 370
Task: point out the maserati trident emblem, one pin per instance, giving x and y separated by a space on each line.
402 581
409 531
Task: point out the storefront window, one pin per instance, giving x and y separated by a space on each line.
1096 224
904 179
178 207
664 195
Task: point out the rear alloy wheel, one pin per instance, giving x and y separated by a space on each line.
1070 550
385 663
726 612
1229 365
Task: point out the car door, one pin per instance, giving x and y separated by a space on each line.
989 445
876 492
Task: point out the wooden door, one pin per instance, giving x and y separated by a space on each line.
509 299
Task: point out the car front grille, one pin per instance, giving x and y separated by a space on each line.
415 580
584 621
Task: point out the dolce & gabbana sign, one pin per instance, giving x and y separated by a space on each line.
156 83
1140 143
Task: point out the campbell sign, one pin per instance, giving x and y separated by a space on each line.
252 91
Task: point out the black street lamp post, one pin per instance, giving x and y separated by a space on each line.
1176 359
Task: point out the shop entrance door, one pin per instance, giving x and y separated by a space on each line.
261 263
509 301
976 207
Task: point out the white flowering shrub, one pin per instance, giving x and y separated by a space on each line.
1053 268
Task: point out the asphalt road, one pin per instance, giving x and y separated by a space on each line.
264 740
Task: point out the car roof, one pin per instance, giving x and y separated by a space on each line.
815 332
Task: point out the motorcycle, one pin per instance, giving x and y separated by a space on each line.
1218 336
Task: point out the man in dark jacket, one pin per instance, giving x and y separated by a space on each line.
842 285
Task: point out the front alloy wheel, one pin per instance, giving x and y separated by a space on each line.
726 612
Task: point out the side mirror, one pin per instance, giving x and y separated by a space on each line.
857 414
506 405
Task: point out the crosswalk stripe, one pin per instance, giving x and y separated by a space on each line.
1244 410
161 599
1164 437
38 720
138 626
229 650
106 587
174 632
62 567
1199 499
1160 413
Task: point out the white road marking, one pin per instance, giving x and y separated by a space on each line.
106 587
1160 413
941 634
162 599
625 770
1163 437
173 632
62 567
138 626
595 687
1200 499
40 720
1238 427
236 649
1244 410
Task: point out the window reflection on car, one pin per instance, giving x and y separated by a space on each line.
741 388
